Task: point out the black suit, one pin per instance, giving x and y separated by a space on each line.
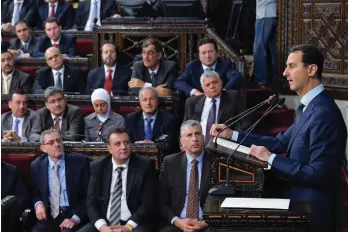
73 80
96 79
77 172
173 184
67 45
20 80
64 14
16 44
140 193
28 12
231 104
73 124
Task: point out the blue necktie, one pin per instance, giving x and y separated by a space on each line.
59 81
299 110
16 127
148 129
211 120
209 69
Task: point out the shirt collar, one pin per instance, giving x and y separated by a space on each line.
213 66
20 1
20 118
190 158
106 68
60 70
308 97
9 75
153 117
28 42
114 165
209 99
52 42
60 117
154 71
60 162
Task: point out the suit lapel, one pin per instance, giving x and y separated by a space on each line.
43 172
223 105
44 11
160 74
140 126
101 78
65 120
67 79
182 176
26 124
199 108
8 123
50 79
156 132
59 9
15 81
218 66
23 10
205 178
131 175
69 174
107 173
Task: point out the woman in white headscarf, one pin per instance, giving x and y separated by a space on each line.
103 120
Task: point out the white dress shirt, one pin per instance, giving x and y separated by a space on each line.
55 76
6 82
90 22
56 42
19 10
205 113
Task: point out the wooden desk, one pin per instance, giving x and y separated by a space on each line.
296 219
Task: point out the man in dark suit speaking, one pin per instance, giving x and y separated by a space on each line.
122 189
315 144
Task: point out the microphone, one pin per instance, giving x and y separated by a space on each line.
228 189
270 101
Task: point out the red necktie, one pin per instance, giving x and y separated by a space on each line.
52 14
108 81
55 45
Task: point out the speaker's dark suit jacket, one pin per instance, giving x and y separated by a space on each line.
165 124
315 147
7 122
107 9
166 74
173 184
231 104
73 80
140 191
73 124
20 80
96 79
190 79
77 172
17 44
28 12
64 14
67 45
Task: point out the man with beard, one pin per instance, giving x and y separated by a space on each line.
67 119
112 76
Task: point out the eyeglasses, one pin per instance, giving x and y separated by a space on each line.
59 100
51 142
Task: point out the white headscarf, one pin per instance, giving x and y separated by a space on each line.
102 94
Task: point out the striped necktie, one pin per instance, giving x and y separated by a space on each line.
55 194
115 209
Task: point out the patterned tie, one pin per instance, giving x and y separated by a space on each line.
148 129
59 81
55 45
52 14
56 124
108 81
211 120
115 209
192 200
16 126
16 12
55 194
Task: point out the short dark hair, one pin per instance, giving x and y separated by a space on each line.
22 22
51 91
18 91
51 20
117 131
310 55
206 40
154 42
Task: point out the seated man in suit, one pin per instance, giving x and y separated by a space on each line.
185 182
122 189
61 10
66 77
112 76
60 183
54 38
151 123
152 70
189 82
11 78
67 119
23 46
216 105
87 11
315 144
14 11
17 123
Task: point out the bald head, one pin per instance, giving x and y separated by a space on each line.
53 58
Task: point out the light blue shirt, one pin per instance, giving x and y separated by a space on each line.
152 123
188 172
266 9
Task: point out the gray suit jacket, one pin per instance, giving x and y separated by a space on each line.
91 125
6 122
72 124
17 44
20 80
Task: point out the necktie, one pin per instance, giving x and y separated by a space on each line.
211 120
55 45
299 110
148 129
192 200
59 81
115 209
25 47
52 14
6 83
209 69
108 81
153 78
55 194
56 124
95 10
16 12
16 126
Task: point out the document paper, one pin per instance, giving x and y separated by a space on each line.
256 203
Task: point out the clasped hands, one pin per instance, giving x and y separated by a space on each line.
190 225
105 228
10 135
161 89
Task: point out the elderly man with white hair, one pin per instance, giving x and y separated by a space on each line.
216 105
99 124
